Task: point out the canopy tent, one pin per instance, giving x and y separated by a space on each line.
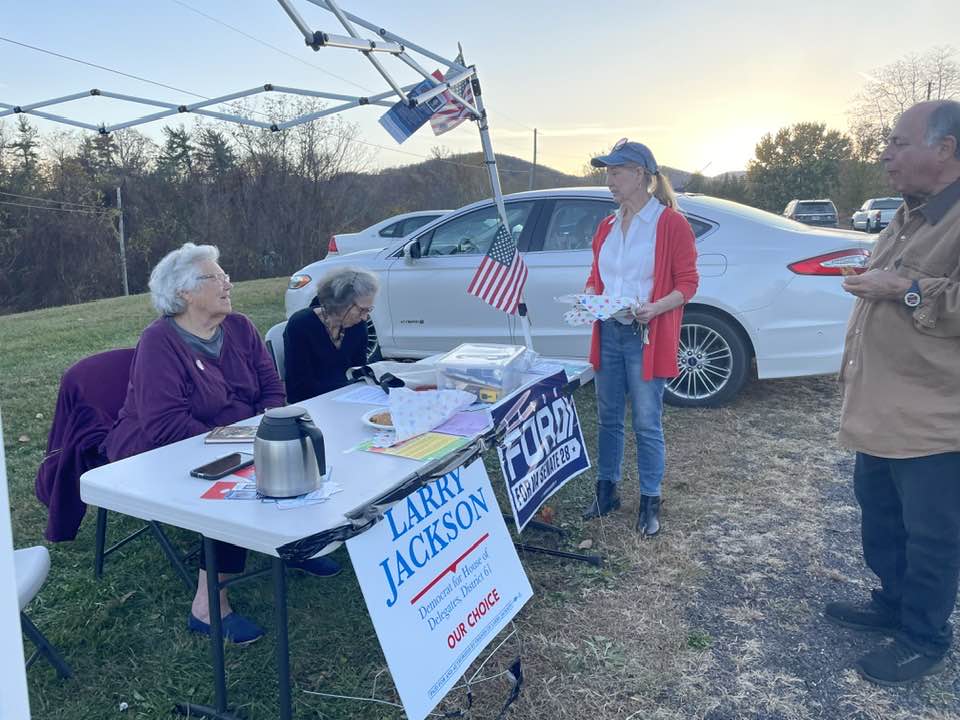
387 45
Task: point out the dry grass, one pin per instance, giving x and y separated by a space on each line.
720 617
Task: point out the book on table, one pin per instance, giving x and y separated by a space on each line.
231 434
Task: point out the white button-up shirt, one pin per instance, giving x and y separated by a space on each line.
626 259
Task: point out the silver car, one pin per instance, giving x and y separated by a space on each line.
770 291
875 214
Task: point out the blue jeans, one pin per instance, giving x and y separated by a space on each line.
911 540
621 374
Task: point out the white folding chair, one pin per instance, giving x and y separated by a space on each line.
274 341
32 565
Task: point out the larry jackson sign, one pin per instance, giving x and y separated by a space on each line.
543 447
440 578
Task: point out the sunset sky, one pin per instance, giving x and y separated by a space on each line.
698 82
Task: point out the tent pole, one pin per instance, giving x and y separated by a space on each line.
490 160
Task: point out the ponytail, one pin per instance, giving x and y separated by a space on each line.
662 190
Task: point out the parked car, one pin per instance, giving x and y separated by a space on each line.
875 214
812 212
770 290
383 233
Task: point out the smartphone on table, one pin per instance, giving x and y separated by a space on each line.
223 466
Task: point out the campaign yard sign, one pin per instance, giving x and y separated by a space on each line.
440 578
543 447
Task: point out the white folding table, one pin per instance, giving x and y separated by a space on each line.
156 485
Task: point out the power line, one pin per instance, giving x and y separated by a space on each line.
305 62
272 47
101 67
204 97
62 202
47 207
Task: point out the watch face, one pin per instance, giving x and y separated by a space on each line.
911 299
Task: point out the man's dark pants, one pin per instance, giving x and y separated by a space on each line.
911 540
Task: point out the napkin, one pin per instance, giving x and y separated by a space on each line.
587 308
414 413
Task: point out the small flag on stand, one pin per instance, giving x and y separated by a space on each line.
502 274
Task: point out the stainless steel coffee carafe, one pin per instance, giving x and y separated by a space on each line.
288 453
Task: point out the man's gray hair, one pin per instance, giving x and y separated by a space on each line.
177 273
340 288
944 120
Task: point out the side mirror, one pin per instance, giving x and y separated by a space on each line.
412 252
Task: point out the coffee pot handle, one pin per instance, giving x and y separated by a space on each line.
316 437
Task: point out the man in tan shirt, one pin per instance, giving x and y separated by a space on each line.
901 403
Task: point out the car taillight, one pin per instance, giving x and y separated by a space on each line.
332 245
298 281
833 263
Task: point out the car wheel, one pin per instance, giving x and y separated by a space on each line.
373 344
714 360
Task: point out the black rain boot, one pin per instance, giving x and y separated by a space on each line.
642 514
606 501
650 515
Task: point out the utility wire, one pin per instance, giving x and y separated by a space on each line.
305 62
62 202
47 207
204 97
272 47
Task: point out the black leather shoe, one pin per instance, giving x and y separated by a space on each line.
648 523
604 502
866 616
898 664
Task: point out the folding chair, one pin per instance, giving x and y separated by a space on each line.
31 566
274 342
92 391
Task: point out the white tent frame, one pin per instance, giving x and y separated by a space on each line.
388 43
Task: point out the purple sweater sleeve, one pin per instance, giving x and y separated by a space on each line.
175 393
162 388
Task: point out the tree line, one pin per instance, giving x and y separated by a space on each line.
270 201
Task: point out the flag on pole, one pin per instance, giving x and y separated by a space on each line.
453 113
500 278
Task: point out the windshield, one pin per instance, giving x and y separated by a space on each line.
891 204
815 207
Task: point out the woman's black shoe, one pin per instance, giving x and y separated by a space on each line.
604 502
648 519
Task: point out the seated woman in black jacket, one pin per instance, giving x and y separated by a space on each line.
322 341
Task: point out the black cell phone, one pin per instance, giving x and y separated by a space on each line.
223 466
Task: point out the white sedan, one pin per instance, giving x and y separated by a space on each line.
381 233
770 288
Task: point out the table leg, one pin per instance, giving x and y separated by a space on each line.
216 645
283 646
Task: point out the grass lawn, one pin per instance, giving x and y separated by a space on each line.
718 618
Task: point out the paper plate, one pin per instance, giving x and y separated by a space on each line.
368 419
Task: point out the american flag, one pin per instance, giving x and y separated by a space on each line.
453 113
502 274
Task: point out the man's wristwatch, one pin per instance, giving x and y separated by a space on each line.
912 298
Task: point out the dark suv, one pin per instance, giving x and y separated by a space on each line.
812 212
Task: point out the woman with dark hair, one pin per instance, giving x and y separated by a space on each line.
645 251
321 342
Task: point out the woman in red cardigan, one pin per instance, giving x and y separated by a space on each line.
645 251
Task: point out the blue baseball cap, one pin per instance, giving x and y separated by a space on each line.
628 152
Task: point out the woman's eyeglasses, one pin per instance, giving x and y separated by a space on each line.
364 310
221 278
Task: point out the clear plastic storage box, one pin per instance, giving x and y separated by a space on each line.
488 371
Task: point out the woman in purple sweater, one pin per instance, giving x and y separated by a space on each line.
197 366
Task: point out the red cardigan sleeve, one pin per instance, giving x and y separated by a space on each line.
686 279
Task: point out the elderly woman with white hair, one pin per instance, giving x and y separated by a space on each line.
321 342
197 366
